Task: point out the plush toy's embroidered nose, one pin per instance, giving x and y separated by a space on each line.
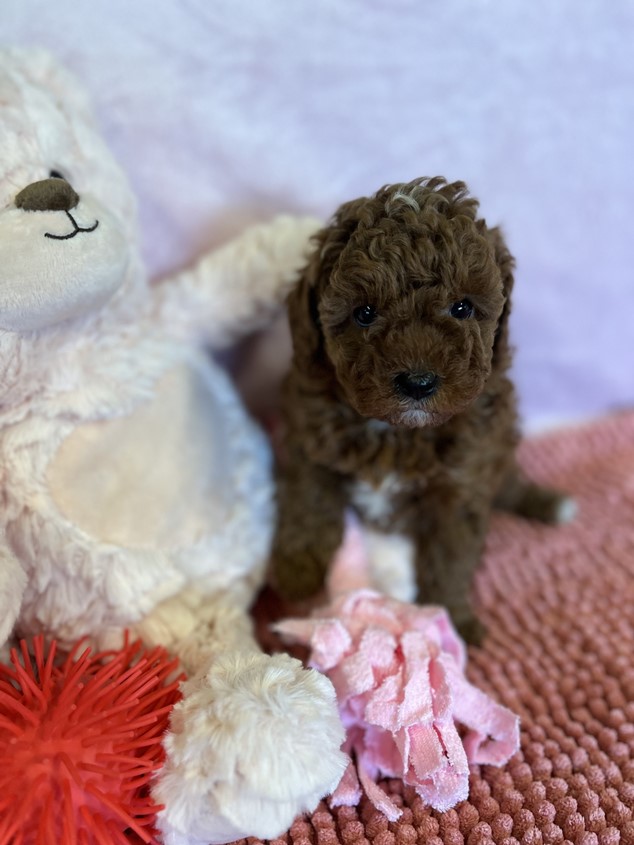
47 195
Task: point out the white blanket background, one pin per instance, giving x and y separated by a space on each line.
226 111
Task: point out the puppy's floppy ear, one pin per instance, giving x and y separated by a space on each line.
303 300
303 307
506 265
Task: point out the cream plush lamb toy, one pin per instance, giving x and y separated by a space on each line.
135 492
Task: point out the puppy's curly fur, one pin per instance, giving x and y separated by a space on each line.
399 387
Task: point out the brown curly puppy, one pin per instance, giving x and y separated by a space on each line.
398 401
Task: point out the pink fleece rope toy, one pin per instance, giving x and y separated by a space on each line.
398 670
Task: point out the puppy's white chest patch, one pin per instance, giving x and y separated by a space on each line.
376 501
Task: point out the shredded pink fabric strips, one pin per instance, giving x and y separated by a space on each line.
398 670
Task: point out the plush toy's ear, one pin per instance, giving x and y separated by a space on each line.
506 265
43 70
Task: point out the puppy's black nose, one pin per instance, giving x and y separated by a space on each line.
417 385
47 195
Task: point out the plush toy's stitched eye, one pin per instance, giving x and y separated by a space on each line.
462 310
55 174
365 315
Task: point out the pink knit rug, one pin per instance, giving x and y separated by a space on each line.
559 607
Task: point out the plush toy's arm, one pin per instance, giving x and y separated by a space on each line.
236 289
12 584
197 628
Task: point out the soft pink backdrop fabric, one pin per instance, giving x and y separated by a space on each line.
224 112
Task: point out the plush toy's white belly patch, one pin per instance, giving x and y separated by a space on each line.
156 479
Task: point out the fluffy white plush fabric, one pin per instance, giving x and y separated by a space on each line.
136 492
249 735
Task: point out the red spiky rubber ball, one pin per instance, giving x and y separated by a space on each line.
80 739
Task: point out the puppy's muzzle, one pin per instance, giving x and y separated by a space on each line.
416 385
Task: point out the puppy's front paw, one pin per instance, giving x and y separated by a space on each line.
253 743
299 574
471 630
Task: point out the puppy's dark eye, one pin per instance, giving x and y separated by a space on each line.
364 316
55 174
462 310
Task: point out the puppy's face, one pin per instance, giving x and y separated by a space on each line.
409 314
